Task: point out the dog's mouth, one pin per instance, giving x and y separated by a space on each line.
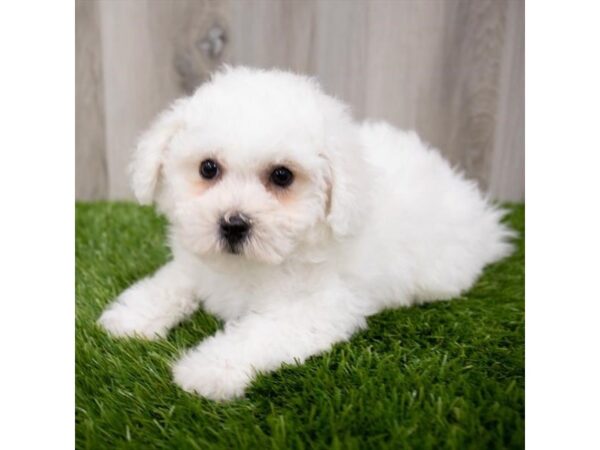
233 248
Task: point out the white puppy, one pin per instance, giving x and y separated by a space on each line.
293 223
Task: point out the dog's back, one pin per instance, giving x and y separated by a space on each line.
429 231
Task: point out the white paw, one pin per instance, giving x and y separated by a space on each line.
125 321
210 377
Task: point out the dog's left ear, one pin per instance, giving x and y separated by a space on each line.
148 156
347 181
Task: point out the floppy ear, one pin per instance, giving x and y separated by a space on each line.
347 183
148 156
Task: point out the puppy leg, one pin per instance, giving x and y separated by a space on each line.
152 306
223 365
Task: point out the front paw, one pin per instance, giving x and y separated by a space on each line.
135 314
124 321
211 377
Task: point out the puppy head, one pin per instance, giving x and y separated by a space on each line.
257 164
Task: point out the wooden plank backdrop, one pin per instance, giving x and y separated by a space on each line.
453 70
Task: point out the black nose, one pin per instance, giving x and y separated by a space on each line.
234 229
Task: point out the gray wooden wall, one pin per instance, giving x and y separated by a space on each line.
453 70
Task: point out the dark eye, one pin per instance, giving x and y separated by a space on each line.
209 169
282 176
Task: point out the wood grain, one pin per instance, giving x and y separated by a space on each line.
91 182
507 165
453 70
152 54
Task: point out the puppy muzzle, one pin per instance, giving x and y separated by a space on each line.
234 230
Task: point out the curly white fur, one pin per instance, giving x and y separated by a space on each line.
374 219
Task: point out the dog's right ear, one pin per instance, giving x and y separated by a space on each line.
148 156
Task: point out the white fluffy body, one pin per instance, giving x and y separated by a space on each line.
374 219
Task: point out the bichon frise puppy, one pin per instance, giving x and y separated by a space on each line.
293 223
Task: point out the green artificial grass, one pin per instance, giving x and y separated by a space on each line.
443 375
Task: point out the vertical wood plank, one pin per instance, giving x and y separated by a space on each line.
271 33
91 181
477 40
507 167
341 51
